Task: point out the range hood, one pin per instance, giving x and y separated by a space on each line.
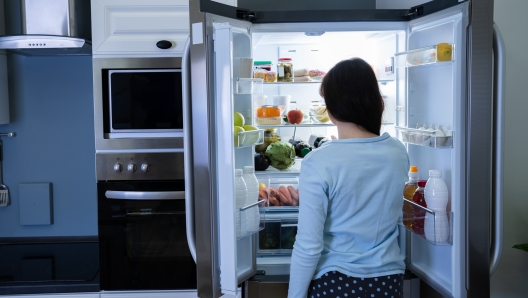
47 27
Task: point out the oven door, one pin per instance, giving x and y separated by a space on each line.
142 236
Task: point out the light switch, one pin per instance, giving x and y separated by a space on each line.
35 203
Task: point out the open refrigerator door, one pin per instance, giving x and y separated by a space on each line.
234 151
432 124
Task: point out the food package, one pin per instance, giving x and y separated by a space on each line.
301 79
268 115
316 73
300 72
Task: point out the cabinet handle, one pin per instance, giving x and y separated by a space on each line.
164 44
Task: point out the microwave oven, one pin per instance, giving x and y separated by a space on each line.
144 103
138 104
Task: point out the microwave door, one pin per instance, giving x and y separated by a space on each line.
145 102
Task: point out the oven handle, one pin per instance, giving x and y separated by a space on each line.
187 148
145 195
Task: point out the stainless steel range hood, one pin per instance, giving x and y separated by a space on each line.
47 27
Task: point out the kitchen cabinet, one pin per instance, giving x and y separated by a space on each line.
139 28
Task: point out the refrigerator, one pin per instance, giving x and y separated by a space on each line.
462 96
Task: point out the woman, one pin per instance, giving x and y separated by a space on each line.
351 190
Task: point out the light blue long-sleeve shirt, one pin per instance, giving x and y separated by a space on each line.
350 202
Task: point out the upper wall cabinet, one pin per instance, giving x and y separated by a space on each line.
139 28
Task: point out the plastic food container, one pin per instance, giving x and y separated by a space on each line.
270 77
268 115
283 102
265 65
285 192
319 114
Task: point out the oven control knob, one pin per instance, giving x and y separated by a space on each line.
145 167
131 167
118 167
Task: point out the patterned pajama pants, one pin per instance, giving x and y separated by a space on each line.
336 285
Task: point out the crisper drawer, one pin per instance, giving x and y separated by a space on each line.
278 236
280 193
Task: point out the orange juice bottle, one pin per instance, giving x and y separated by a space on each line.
408 192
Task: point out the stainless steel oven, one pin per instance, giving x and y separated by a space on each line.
142 222
142 142
138 103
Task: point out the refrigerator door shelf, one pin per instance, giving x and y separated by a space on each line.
249 138
435 54
424 215
249 209
425 138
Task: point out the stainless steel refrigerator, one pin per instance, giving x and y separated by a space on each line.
460 95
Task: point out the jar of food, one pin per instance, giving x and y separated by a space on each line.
270 136
285 70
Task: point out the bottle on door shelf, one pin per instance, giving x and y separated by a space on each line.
436 227
419 214
408 192
253 194
241 199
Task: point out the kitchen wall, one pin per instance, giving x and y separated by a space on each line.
511 277
51 109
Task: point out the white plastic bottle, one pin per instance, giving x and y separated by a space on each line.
241 199
253 193
436 228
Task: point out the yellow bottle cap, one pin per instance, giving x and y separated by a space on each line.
413 169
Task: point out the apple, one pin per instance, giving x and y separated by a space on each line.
238 119
295 116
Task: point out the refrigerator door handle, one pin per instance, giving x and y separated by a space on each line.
144 195
498 99
187 144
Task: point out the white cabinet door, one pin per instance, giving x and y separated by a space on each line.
134 27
